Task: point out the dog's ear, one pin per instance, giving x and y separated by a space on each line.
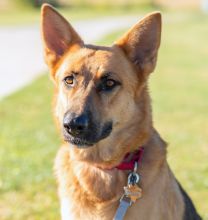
57 34
142 41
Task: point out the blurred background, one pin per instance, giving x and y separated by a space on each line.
179 89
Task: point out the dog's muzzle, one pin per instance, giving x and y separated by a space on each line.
82 131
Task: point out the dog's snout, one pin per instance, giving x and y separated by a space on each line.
76 126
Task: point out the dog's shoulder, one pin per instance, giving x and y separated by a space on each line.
190 212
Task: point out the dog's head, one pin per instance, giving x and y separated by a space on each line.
102 103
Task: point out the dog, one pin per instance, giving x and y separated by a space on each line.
103 110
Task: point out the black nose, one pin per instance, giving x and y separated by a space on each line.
76 126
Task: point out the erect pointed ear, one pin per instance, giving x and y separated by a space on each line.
141 43
57 34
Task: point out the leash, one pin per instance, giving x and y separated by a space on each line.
132 192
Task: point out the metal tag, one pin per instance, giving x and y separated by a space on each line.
134 192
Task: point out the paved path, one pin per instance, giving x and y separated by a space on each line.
21 50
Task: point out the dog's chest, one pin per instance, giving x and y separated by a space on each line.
140 210
80 200
72 211
154 205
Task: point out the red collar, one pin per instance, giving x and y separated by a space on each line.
130 159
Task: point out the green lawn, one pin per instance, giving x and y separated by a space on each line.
179 89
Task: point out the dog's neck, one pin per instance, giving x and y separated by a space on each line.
86 180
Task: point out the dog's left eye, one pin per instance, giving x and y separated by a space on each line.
107 85
69 80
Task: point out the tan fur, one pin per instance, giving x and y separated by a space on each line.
87 188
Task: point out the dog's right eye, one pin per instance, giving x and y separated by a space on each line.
69 80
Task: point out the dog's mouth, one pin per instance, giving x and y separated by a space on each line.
90 138
79 142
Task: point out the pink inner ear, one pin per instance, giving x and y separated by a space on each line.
55 43
58 35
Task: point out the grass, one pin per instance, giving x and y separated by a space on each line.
29 141
28 144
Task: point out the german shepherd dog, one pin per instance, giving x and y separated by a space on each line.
103 109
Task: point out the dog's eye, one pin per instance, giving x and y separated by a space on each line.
110 83
107 85
69 80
